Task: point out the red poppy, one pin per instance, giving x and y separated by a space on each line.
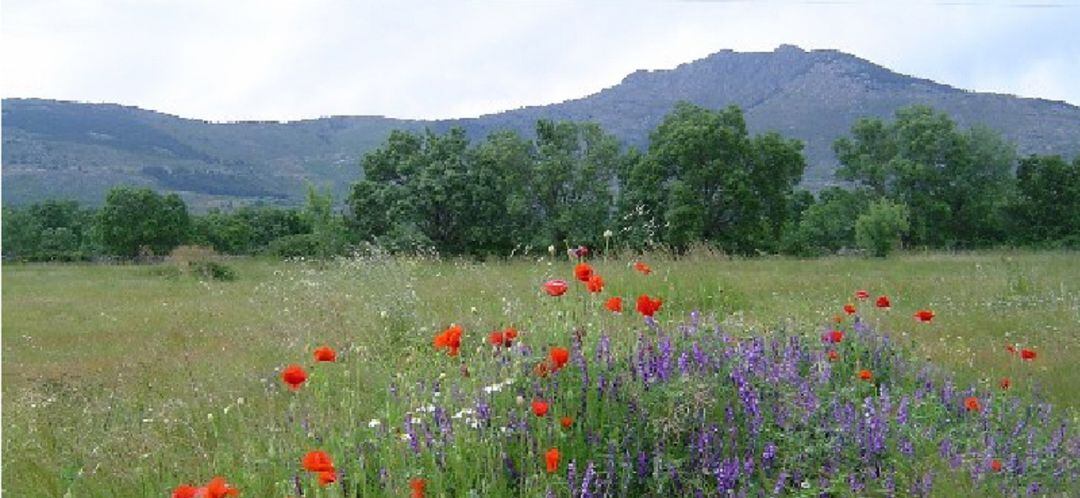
317 461
835 336
581 251
325 354
509 335
595 283
294 376
1010 348
417 484
972 404
559 357
995 465
555 288
583 272
218 488
642 268
861 294
327 478
833 356
614 304
497 338
552 460
647 306
849 309
1005 383
1027 354
883 302
566 422
185 491
539 407
449 339
925 316
865 374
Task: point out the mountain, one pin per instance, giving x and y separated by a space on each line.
76 150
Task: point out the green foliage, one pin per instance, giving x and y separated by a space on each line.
48 231
828 225
247 230
1047 206
133 220
880 228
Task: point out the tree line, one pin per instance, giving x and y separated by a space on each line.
917 180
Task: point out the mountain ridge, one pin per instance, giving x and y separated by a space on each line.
56 148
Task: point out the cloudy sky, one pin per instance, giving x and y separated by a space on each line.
280 60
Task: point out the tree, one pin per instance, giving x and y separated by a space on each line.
1047 205
132 219
828 224
878 231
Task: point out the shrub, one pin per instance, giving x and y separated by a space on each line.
879 229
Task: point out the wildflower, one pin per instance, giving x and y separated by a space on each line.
995 465
449 339
972 404
1027 354
317 461
566 422
1005 384
327 478
608 234
583 272
861 295
849 309
555 288
417 484
559 357
496 338
838 318
924 316
834 336
865 374
642 268
647 306
294 376
883 302
218 488
833 356
539 407
510 334
1010 348
595 283
614 304
325 353
542 369
185 491
552 460
374 423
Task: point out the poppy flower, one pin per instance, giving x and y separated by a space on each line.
583 272
595 283
509 335
972 404
497 338
642 268
218 488
317 461
647 306
552 460
294 376
581 251
539 407
185 491
925 316
566 422
417 484
849 309
1027 354
1005 383
327 478
614 304
449 339
883 302
555 288
835 336
833 356
325 353
865 375
995 465
1010 348
559 357
861 294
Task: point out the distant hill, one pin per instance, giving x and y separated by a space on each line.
75 150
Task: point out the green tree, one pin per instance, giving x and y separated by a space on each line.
133 218
1047 205
878 231
828 224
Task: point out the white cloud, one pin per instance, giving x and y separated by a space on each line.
293 59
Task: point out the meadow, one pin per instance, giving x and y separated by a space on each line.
129 380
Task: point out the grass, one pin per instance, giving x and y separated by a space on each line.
120 381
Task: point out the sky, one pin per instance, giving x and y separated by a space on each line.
286 60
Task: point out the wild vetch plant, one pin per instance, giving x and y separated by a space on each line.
597 403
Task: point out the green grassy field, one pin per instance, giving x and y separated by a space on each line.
120 381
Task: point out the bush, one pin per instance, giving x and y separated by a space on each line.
213 270
879 229
294 246
199 261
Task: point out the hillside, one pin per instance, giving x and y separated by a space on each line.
75 150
